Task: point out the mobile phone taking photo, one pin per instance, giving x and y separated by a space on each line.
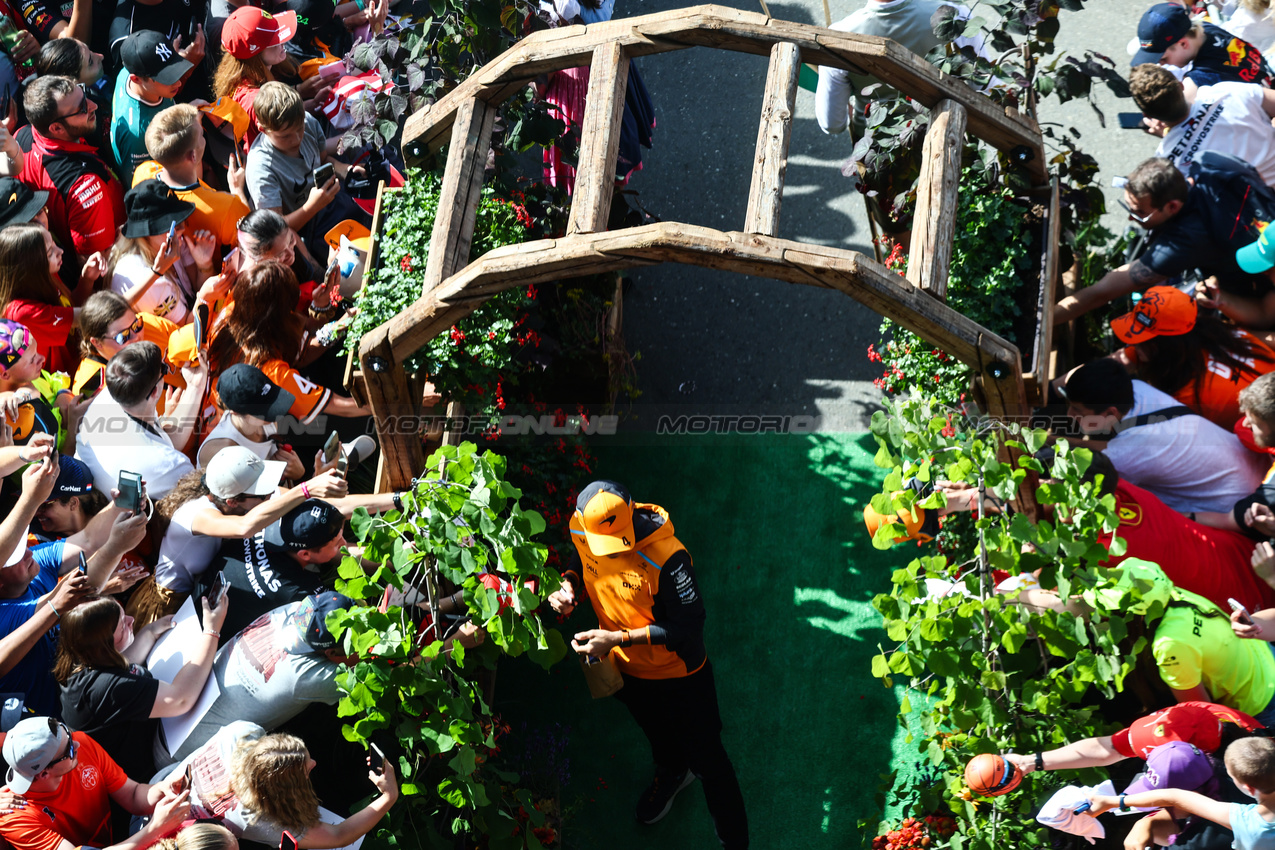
378 763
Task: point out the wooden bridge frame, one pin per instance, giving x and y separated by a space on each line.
463 119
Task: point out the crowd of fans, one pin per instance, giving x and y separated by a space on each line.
172 201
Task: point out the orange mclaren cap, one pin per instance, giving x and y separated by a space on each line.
358 235
1163 311
605 510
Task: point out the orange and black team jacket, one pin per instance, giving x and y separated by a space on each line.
652 588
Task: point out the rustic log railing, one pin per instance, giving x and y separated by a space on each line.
452 290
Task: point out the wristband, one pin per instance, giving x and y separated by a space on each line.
212 632
627 640
305 490
1123 807
1040 761
398 501
55 611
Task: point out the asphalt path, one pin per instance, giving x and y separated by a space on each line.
713 343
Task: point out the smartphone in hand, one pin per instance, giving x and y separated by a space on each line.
217 590
378 763
287 842
130 487
331 447
1245 617
92 385
323 174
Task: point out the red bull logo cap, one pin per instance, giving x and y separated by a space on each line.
1259 256
1161 26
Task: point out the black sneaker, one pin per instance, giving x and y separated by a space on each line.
657 799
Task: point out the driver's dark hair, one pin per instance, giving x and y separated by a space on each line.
59 57
1100 384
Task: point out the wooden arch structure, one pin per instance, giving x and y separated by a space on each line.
463 119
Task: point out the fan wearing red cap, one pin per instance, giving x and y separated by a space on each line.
253 41
1197 358
642 584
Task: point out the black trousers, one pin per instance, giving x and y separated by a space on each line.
684 725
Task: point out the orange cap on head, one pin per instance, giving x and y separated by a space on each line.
605 510
1163 311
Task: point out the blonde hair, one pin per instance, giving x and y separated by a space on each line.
201 836
172 133
271 777
232 71
125 245
1252 762
278 107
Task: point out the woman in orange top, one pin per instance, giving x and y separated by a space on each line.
1197 358
260 328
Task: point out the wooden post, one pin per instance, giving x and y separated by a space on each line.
1043 361
766 191
934 225
599 139
353 379
452 436
461 189
394 405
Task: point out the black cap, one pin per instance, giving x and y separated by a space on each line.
312 15
150 54
310 525
19 202
152 207
317 634
1161 26
246 390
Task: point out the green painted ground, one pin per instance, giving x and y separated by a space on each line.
775 528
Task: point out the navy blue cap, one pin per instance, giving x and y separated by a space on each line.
310 525
1161 26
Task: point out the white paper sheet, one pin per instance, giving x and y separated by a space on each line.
178 729
170 651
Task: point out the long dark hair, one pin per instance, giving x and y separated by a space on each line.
1174 362
24 266
261 324
87 641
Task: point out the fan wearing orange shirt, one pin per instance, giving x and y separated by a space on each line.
69 782
1197 358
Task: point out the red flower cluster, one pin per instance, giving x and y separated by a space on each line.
529 338
914 834
500 397
531 291
458 336
406 263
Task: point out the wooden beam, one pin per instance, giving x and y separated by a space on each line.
353 378
727 29
394 408
1043 362
770 162
599 139
461 190
934 224
555 259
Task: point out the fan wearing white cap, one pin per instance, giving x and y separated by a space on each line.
69 783
235 497
29 584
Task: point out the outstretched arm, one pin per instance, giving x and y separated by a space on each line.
1122 281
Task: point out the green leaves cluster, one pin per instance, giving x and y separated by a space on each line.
985 673
460 521
490 342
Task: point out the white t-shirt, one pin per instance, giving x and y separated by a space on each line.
109 440
165 297
267 674
1226 118
1259 32
226 430
1190 463
183 554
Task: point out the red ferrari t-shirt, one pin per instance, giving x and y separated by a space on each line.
79 810
1212 562
51 325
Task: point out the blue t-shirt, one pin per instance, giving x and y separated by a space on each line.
1251 832
33 675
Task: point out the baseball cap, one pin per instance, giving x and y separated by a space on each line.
236 470
150 54
1258 256
250 30
1197 723
309 525
316 625
354 232
74 478
1161 26
15 339
13 709
246 389
1163 311
605 511
29 747
152 207
19 552
19 203
1176 764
